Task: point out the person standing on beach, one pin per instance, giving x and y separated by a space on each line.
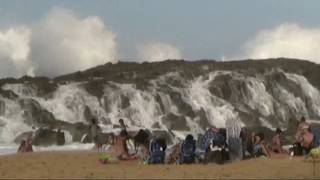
29 143
94 128
123 126
22 147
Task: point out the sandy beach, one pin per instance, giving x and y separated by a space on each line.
85 164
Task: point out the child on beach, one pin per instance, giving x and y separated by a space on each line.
277 142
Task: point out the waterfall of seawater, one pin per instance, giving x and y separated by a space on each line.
170 103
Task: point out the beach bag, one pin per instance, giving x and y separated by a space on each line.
212 135
157 152
297 149
218 154
188 149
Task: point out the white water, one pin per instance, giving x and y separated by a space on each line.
310 92
11 122
6 149
199 97
69 102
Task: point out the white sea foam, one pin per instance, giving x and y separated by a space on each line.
141 109
310 92
199 97
6 149
12 121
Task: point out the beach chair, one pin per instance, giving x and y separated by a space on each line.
156 152
188 149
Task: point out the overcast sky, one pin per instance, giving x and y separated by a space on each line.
151 30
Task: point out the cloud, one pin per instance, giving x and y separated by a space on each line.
14 52
60 43
158 52
286 40
64 43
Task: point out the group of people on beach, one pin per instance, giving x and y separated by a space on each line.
216 145
26 145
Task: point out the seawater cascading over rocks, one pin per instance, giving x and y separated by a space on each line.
171 97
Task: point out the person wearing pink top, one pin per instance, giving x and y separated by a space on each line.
307 139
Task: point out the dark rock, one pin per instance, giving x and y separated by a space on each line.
163 134
43 137
159 101
202 118
22 136
2 108
230 88
125 102
60 138
156 125
87 114
106 104
47 137
8 94
78 130
95 87
102 138
34 115
184 108
175 122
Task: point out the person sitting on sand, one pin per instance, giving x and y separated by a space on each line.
277 142
259 146
300 129
307 139
22 147
121 148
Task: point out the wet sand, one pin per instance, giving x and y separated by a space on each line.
84 164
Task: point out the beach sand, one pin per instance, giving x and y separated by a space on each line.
84 164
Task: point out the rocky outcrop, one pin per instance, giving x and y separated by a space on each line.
175 122
172 95
43 137
2 108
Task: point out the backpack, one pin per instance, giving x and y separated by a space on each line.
217 153
188 149
296 149
157 152
212 135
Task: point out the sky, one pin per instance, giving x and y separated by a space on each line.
54 37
